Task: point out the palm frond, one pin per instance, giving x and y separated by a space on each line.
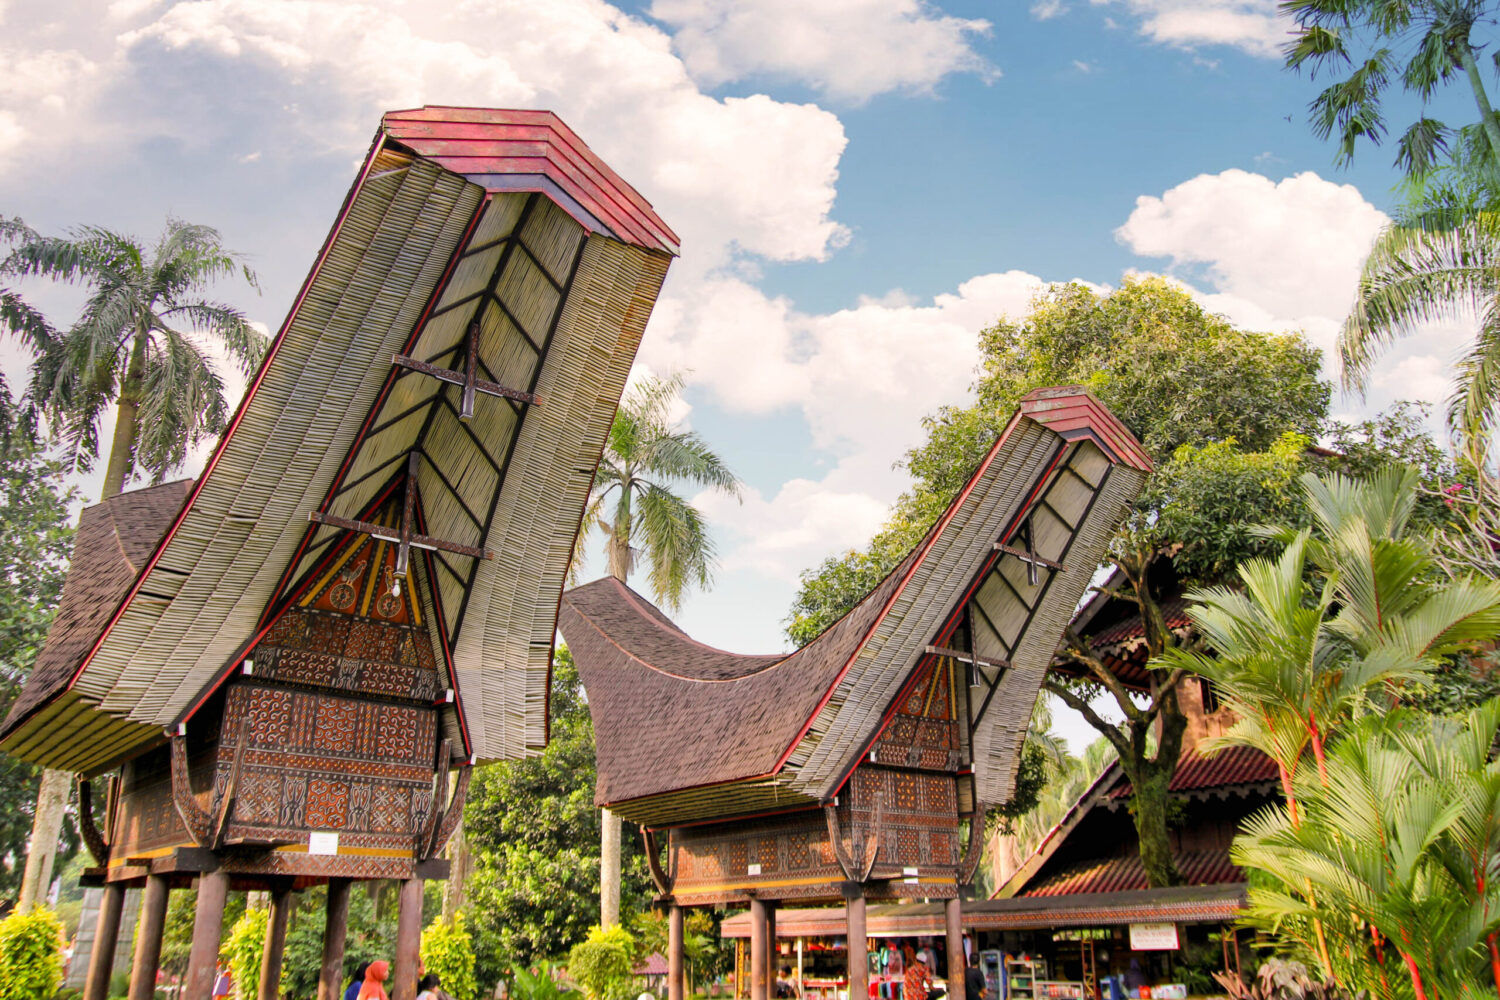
677 543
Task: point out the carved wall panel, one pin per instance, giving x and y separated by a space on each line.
924 729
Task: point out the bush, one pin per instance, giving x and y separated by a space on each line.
243 951
540 983
30 955
448 951
601 964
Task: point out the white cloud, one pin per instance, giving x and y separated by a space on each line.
1250 25
1045 10
849 50
1287 256
1084 67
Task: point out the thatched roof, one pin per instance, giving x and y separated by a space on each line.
556 262
685 732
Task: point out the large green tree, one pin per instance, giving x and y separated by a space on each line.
140 345
1371 46
534 832
35 543
1225 412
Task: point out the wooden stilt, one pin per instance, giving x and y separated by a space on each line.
208 928
106 933
408 939
270 953
674 953
331 975
953 913
859 967
773 953
739 969
758 950
148 933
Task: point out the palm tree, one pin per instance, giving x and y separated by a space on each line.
1327 630
128 347
644 457
1442 266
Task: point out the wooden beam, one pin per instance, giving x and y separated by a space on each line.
232 786
385 534
963 657
461 379
1029 557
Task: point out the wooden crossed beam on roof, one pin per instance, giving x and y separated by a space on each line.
1028 554
405 537
468 378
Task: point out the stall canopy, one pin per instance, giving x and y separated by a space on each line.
444 381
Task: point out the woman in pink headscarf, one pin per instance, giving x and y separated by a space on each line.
375 977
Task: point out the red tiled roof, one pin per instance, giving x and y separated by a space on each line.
1196 772
654 965
505 150
1127 873
1174 609
1073 413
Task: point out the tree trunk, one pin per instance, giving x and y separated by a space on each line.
51 802
609 869
1148 808
1486 113
127 420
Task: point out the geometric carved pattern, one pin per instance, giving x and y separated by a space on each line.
923 731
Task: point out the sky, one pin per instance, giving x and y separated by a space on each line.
860 187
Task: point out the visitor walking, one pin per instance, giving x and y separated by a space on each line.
428 989
374 984
918 978
975 986
358 980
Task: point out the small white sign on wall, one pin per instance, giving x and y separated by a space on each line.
322 842
1153 937
753 870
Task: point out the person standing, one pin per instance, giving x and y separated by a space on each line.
918 978
356 981
976 987
373 987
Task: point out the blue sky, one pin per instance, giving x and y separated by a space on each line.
861 185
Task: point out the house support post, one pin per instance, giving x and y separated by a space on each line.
270 953
772 952
674 953
758 950
953 913
336 928
153 922
408 939
859 966
208 928
106 933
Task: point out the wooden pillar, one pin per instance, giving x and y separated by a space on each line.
674 953
106 933
331 974
758 950
270 952
739 969
859 965
153 922
408 939
773 952
208 928
953 912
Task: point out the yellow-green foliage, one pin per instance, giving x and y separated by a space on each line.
448 950
243 950
601 964
30 955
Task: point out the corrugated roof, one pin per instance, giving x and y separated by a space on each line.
510 150
1211 867
1229 767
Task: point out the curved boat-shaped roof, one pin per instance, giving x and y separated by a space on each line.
531 265
684 731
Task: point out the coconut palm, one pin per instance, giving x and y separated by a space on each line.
645 457
131 347
1443 266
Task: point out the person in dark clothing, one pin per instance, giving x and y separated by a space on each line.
359 980
975 987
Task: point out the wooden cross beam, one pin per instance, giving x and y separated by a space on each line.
468 379
404 537
1028 555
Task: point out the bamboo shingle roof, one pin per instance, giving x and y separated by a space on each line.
686 732
549 264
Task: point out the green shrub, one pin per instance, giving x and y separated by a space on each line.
601 964
247 938
540 983
448 950
30 955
